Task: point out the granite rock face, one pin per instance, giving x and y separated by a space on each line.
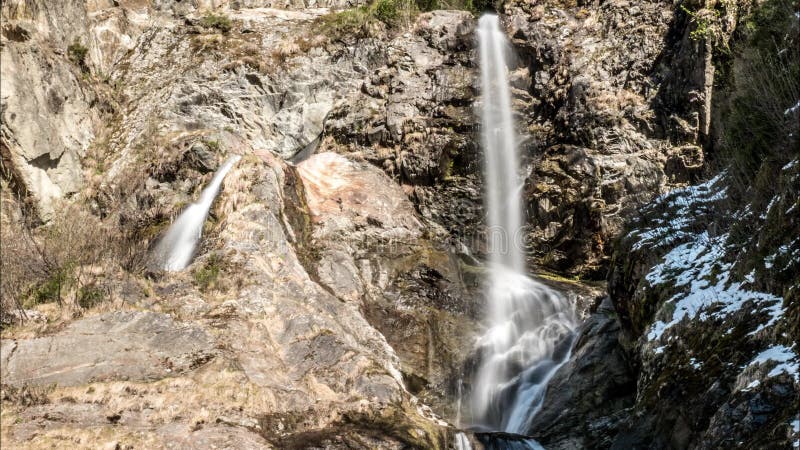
322 308
336 295
282 334
124 345
601 134
598 108
47 119
415 119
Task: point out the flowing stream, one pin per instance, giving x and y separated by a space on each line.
530 326
175 250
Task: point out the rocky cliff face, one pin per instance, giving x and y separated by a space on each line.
714 348
699 334
323 306
608 121
602 134
295 362
336 296
47 120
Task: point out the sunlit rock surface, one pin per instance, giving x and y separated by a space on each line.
335 299
344 194
331 312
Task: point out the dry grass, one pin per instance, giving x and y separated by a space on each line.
176 399
68 261
614 104
287 49
195 401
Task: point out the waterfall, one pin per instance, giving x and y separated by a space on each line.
462 443
530 325
175 250
500 149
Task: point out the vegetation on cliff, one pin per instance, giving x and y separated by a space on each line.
336 295
706 278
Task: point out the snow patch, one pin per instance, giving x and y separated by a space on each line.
772 203
750 277
680 210
697 266
792 109
785 358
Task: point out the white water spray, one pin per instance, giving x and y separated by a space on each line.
530 325
462 442
175 250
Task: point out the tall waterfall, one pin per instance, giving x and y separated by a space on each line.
530 325
175 250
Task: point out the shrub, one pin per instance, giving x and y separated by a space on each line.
396 13
427 5
473 6
386 11
219 21
360 22
212 145
91 295
51 262
27 395
705 21
76 53
50 289
206 277
349 23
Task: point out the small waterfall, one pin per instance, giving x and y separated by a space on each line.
500 149
462 442
530 325
459 395
175 250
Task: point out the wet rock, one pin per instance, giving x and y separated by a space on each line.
593 389
446 30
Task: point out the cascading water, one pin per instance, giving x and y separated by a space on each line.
530 325
175 250
462 443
